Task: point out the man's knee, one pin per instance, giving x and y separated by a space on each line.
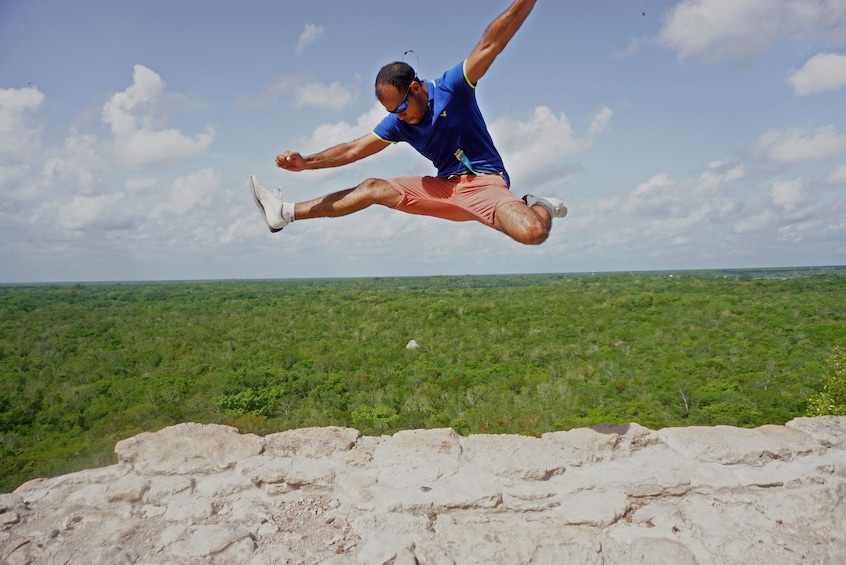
522 224
379 191
532 234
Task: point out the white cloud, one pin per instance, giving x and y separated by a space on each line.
17 134
600 122
321 95
189 193
655 191
146 86
798 145
310 34
665 216
756 223
71 205
787 194
329 135
663 196
78 163
305 93
92 212
837 176
739 30
679 226
824 72
536 147
137 141
724 213
608 204
139 185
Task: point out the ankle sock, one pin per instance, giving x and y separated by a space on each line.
288 211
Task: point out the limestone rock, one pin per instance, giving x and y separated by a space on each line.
311 442
205 494
186 449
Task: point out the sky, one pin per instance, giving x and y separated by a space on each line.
695 134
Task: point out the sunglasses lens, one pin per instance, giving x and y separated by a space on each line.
404 104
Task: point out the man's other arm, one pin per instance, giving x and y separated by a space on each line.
495 38
336 156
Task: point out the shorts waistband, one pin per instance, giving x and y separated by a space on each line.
477 173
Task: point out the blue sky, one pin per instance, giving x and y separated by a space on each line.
703 134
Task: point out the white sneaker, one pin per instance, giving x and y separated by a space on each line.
269 204
554 206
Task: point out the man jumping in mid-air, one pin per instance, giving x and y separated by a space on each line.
442 121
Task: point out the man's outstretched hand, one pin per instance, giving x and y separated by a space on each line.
290 161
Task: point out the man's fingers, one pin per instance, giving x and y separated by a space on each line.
289 160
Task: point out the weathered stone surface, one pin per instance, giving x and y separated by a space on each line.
187 449
733 446
827 430
311 442
417 458
204 494
514 457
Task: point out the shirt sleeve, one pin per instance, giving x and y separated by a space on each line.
457 79
387 129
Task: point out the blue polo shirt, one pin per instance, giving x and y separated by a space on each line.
453 122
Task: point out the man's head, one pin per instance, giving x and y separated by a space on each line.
400 91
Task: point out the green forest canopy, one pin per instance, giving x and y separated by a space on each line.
83 366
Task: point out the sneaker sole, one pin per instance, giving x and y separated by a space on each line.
560 210
260 207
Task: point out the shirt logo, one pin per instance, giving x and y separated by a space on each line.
443 114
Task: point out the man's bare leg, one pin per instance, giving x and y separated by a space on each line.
524 224
278 214
345 202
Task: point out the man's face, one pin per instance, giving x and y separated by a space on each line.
416 98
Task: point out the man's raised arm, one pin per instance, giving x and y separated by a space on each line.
336 156
495 38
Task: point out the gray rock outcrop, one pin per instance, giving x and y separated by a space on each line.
205 494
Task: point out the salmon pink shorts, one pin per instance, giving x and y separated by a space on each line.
461 198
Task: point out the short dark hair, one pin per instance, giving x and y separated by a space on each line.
398 74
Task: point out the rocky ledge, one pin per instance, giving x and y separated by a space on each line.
205 494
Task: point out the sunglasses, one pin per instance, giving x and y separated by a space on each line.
403 106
